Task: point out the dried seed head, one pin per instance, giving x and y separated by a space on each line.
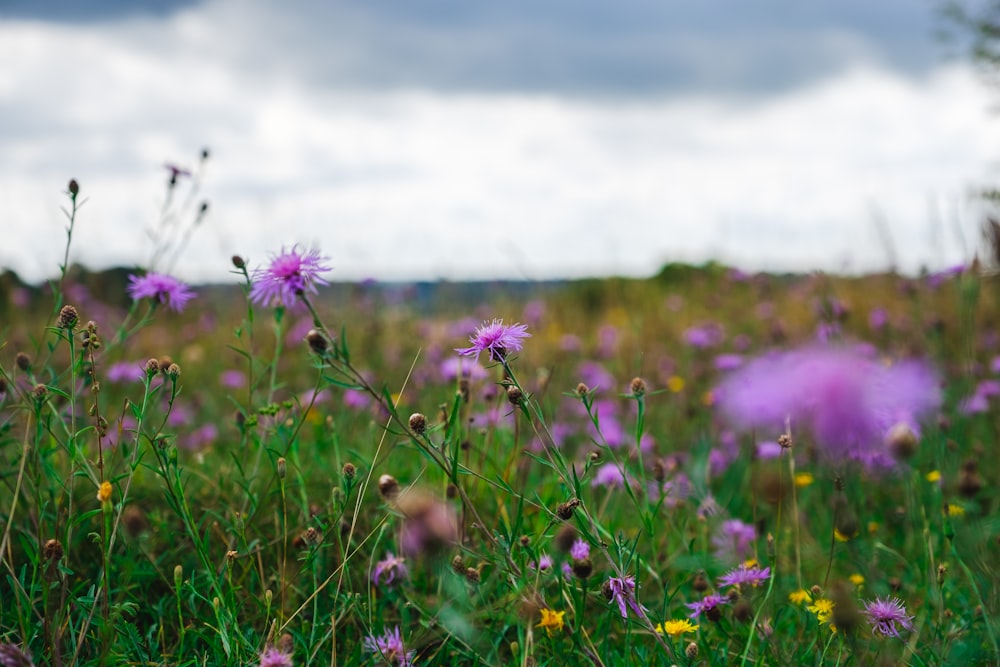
286 643
68 317
388 487
164 363
317 342
785 440
472 575
232 555
53 550
39 393
418 423
565 510
514 395
23 361
457 564
691 651
638 387
463 389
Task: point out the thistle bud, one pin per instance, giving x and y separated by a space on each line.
349 471
418 423
73 187
23 361
68 318
239 262
514 395
638 387
388 487
317 342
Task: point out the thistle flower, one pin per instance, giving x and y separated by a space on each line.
708 605
288 276
622 591
390 568
580 550
884 615
847 399
390 648
496 337
12 656
161 288
753 576
733 539
275 657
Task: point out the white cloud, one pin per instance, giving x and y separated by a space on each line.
417 184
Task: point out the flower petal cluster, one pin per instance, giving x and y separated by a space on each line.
161 288
552 621
390 648
621 590
275 657
497 338
742 574
847 398
676 628
290 274
708 605
389 569
885 615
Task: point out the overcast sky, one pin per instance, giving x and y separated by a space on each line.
517 139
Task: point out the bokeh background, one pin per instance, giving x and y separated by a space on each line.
475 140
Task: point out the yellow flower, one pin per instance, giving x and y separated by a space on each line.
841 537
823 609
552 621
675 383
872 527
856 579
750 562
933 476
104 492
676 628
803 479
799 596
955 510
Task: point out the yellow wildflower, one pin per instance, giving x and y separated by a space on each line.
955 510
803 479
675 383
823 609
104 492
872 527
799 596
676 628
933 476
856 579
552 621
841 537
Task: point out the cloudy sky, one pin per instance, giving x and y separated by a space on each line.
516 139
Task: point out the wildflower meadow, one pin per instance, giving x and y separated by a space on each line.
703 467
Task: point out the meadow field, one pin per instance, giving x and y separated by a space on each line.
703 467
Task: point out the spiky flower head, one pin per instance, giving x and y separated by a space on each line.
275 657
390 648
497 338
161 288
742 574
885 615
676 628
289 275
708 605
621 590
389 569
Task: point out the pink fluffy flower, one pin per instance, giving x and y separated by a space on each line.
160 288
289 275
497 338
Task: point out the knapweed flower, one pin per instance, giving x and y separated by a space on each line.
849 400
275 657
552 621
743 574
288 276
390 648
497 338
733 539
884 615
676 628
622 591
160 288
13 656
580 550
389 569
708 605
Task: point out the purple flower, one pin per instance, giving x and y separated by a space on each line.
878 318
12 656
163 289
733 538
232 379
580 550
453 368
497 337
622 592
544 563
728 362
608 474
745 575
705 336
289 275
885 614
274 657
847 400
708 605
391 568
390 648
125 371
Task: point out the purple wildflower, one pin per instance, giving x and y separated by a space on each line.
275 657
609 475
622 591
728 362
733 538
390 647
544 563
13 656
161 288
846 399
454 368
753 576
289 275
125 371
390 568
580 550
708 605
498 338
232 379
705 336
885 614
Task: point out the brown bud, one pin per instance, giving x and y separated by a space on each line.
565 510
23 361
582 390
582 568
348 471
565 537
53 550
514 395
638 386
152 367
418 423
73 187
317 342
68 317
388 487
239 262
700 582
